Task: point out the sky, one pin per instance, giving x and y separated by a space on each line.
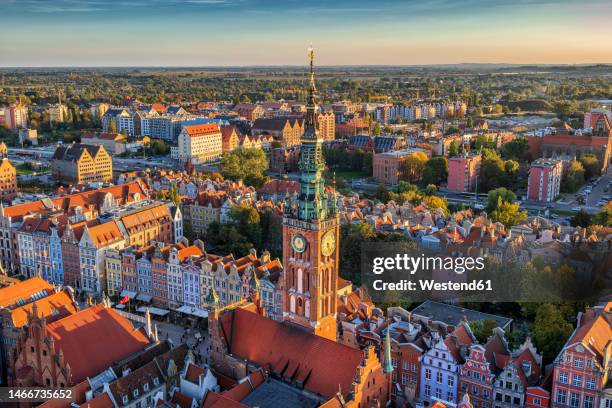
269 32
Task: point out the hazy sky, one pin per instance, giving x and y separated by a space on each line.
267 32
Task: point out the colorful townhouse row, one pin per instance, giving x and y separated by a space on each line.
437 360
182 277
64 240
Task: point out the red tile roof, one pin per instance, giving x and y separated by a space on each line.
53 307
324 365
202 130
10 295
94 338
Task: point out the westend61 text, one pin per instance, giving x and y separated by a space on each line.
430 284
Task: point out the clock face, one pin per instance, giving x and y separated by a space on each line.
328 243
298 243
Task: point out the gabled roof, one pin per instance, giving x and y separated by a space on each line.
323 365
105 234
92 339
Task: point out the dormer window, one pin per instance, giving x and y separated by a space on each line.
146 387
156 381
125 399
135 393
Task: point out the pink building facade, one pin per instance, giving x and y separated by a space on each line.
463 172
544 182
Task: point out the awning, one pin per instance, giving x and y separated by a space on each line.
120 306
194 311
153 310
128 293
144 297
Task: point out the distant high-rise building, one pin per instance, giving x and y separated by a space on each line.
16 116
463 172
544 182
199 144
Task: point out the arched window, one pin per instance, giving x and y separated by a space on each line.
300 285
292 304
307 309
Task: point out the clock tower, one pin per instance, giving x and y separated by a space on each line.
311 231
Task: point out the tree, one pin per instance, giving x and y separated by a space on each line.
581 219
573 177
484 141
244 164
436 171
415 164
564 108
430 190
492 171
351 238
482 329
453 149
382 193
469 122
435 202
499 193
590 162
508 213
604 216
174 195
550 331
112 127
452 130
497 109
517 149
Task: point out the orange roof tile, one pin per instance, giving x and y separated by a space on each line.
10 295
325 364
105 234
202 130
52 307
79 337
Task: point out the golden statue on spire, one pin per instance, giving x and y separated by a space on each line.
311 57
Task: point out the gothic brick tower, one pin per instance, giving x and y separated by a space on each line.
310 237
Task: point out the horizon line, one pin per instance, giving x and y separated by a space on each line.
509 64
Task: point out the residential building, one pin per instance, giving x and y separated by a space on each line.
519 371
82 164
199 144
58 113
440 366
114 143
28 136
463 171
150 221
544 183
94 243
284 160
390 167
113 270
16 116
230 138
77 207
122 120
8 180
204 209
286 130
582 368
249 111
327 125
